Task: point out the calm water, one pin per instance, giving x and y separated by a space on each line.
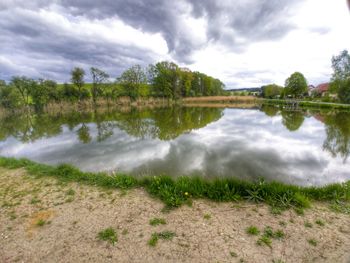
298 147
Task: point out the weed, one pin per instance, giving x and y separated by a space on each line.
307 224
40 222
207 216
282 223
253 230
165 235
233 254
34 201
157 221
108 235
312 242
299 211
320 222
125 232
70 192
264 240
279 234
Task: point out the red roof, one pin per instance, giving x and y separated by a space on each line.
322 87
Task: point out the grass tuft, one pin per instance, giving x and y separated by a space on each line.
157 221
253 230
108 235
165 235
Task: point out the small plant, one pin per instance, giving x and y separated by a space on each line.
307 224
282 223
108 235
264 240
312 242
70 192
268 232
40 222
34 201
253 230
279 234
233 254
276 210
157 221
125 232
299 211
320 222
165 235
207 216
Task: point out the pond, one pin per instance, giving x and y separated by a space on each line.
301 147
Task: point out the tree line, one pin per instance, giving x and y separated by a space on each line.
164 79
296 85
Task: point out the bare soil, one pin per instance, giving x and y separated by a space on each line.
44 220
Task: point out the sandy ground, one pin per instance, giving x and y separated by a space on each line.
73 215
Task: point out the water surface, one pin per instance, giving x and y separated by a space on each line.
302 147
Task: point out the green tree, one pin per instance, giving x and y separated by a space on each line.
296 85
292 120
340 82
77 78
10 98
24 86
271 91
99 78
166 80
134 82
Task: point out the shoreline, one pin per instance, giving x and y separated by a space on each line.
183 190
47 219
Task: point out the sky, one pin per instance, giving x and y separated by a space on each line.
244 43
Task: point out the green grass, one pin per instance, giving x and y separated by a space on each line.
40 222
165 235
253 230
207 216
320 222
264 240
173 191
108 235
312 242
157 221
307 224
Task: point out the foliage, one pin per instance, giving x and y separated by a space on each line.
340 83
99 77
296 85
172 191
271 91
164 79
77 79
108 235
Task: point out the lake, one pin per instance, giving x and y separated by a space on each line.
301 147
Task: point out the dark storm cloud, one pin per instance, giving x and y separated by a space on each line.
227 20
32 39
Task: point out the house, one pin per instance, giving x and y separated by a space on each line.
321 90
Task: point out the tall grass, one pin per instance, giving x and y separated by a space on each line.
175 192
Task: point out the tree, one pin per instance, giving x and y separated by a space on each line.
24 86
10 98
296 85
340 82
134 82
77 78
99 77
271 91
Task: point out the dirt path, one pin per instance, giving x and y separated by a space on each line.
43 220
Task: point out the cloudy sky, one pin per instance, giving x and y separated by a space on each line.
245 43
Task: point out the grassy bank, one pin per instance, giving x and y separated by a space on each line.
309 104
174 193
